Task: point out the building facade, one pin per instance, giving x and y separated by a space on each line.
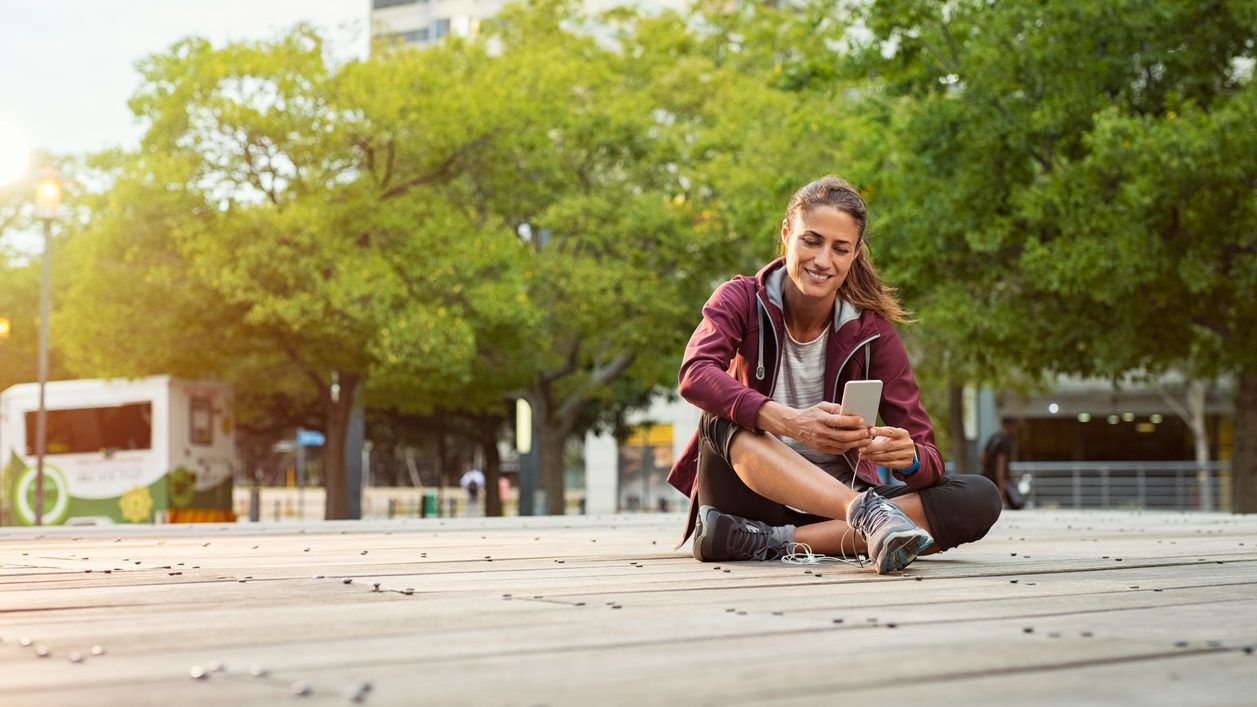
422 22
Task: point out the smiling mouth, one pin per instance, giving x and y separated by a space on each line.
817 277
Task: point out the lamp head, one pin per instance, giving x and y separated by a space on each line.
48 194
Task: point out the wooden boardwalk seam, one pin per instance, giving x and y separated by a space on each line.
1053 607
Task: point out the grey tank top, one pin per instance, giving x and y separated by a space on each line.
800 384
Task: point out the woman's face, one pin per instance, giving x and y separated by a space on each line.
820 247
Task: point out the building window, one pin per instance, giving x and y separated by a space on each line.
414 36
440 28
381 4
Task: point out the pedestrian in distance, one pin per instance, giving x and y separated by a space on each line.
776 464
472 481
996 456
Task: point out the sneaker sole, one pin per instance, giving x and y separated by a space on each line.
904 548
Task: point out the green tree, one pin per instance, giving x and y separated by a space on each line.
541 210
646 168
1068 186
137 304
300 219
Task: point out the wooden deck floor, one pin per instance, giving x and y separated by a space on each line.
1053 607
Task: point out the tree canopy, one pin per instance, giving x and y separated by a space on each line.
541 209
1068 187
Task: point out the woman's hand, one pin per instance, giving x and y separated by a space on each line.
824 428
891 447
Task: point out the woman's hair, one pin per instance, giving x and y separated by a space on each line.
862 286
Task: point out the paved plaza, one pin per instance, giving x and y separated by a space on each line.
1054 607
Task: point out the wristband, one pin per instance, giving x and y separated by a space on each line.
916 464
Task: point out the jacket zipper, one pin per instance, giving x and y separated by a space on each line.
759 371
855 468
838 375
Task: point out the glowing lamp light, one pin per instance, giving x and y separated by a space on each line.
48 194
6 328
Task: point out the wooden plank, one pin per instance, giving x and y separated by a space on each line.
959 618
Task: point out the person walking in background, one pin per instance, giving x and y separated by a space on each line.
776 462
472 481
996 456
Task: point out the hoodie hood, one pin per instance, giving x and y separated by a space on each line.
772 280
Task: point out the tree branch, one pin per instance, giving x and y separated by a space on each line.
444 171
310 373
388 163
600 376
1175 405
255 176
568 366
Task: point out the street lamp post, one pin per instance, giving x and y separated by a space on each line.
47 206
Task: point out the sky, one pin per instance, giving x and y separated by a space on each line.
68 66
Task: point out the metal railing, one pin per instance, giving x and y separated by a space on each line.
1177 485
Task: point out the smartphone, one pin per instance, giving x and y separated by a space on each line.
862 398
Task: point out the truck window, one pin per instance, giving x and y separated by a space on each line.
91 430
201 421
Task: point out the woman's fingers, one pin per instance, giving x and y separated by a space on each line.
891 447
849 422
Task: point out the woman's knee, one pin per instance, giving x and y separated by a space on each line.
988 503
718 432
984 501
966 506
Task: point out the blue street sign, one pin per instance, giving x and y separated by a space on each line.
309 438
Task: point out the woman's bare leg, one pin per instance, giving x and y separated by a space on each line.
771 469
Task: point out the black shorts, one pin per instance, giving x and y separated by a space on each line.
959 509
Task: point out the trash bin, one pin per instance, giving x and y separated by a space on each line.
429 506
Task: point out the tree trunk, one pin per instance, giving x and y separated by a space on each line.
438 460
549 436
1196 391
548 442
956 428
553 420
1244 460
1193 415
492 466
338 408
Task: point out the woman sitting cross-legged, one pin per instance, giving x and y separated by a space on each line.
775 460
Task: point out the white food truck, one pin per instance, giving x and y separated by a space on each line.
156 449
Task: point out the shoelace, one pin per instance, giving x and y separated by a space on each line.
874 515
753 542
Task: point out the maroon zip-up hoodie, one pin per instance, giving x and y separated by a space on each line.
733 357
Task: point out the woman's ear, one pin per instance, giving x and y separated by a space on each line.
785 231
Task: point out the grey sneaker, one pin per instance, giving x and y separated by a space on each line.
720 537
894 541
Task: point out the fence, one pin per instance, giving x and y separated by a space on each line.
280 504
1182 485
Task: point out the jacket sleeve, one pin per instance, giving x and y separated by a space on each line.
704 379
901 406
